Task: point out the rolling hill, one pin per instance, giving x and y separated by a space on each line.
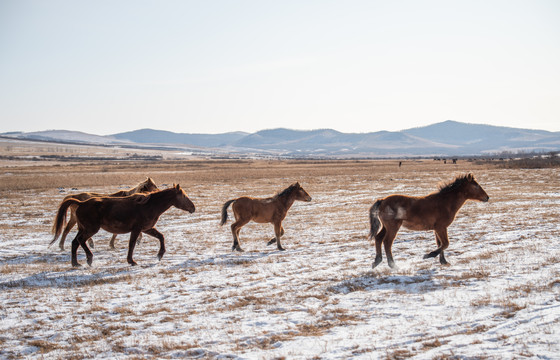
448 138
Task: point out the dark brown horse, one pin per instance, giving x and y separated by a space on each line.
270 210
432 212
119 215
145 186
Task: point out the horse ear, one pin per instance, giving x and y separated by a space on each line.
470 177
177 186
297 184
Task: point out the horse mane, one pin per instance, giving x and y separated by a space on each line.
455 184
143 186
287 191
141 198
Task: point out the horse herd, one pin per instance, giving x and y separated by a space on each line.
137 211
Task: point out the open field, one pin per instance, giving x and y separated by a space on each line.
499 298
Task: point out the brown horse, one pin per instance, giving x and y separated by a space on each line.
145 186
432 212
270 210
119 215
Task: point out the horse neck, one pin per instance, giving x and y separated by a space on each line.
287 200
162 200
132 191
455 198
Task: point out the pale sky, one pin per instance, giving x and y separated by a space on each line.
214 66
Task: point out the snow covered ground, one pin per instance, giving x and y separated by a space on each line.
499 298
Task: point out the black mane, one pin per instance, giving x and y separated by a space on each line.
455 183
287 191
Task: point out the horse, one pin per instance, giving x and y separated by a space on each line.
145 186
269 210
435 212
119 215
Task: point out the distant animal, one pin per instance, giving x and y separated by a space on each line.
145 186
270 210
119 215
435 212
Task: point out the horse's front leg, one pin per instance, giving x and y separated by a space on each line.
153 232
443 242
131 245
278 232
273 240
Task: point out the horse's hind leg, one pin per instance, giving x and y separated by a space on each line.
80 240
67 229
378 242
278 231
391 232
235 229
273 240
153 232
112 241
75 246
443 242
89 255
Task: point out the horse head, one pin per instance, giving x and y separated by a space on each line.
300 193
148 185
182 201
473 190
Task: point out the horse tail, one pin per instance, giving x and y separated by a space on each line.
374 219
224 211
60 218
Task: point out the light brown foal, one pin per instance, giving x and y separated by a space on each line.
270 210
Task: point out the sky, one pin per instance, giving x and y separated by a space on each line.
105 67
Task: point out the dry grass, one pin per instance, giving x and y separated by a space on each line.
30 194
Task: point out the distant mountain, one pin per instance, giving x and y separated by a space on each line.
149 136
448 138
65 136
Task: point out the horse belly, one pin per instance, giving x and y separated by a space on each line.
417 225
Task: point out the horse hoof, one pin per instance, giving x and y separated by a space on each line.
77 265
132 263
281 249
271 242
89 261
